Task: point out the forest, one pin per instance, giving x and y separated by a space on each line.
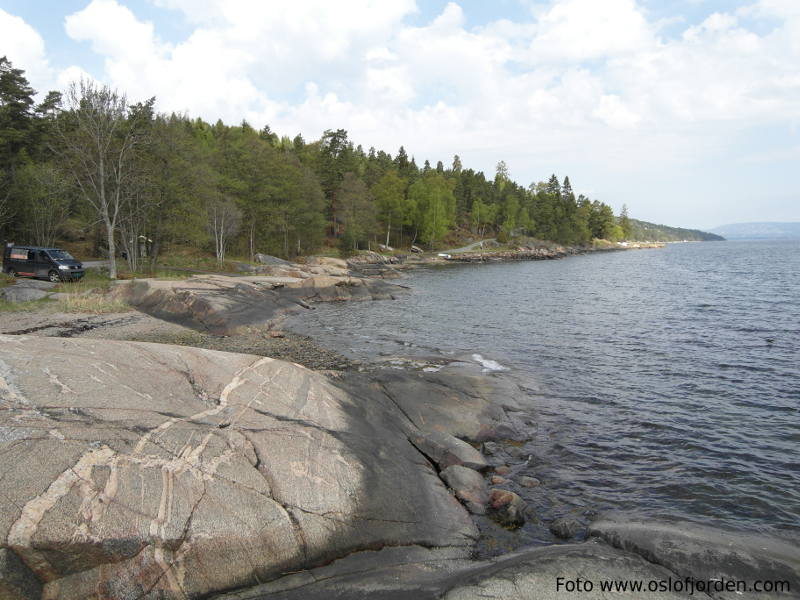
87 164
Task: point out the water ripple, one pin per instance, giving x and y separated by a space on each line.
662 382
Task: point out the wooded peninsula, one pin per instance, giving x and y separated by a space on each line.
87 165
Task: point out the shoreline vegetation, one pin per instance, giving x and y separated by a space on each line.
180 183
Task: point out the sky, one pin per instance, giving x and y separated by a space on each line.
688 111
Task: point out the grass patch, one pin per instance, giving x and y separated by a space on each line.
6 279
97 304
93 280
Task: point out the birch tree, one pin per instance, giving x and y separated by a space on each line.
224 220
43 193
97 136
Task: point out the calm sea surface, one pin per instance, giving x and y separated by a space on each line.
663 382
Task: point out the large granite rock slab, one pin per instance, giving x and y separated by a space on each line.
664 559
145 471
227 305
419 574
706 554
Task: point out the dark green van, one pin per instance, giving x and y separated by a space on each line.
43 263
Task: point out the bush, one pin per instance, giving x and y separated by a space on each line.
502 237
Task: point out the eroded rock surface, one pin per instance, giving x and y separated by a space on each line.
228 305
418 574
706 554
458 400
136 470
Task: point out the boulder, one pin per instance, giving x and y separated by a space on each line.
446 450
469 487
134 470
507 508
565 528
20 293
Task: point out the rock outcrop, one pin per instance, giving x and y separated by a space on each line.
369 264
707 554
227 305
148 471
26 290
696 555
420 574
458 400
373 264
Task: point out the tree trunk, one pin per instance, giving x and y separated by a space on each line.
112 249
252 240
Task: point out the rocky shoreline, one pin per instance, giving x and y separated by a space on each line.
173 470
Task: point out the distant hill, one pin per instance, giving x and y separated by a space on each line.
760 231
650 232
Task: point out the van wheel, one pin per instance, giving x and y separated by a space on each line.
12 272
53 276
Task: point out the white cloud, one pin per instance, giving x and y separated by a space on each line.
582 82
25 48
613 112
112 30
587 29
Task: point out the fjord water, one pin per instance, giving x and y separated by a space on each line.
663 383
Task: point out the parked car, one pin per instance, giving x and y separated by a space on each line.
45 263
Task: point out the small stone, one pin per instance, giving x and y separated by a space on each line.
503 470
497 480
507 508
277 334
490 448
515 452
529 482
565 529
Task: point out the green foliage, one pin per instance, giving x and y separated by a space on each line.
651 232
284 195
625 223
356 210
394 207
432 195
